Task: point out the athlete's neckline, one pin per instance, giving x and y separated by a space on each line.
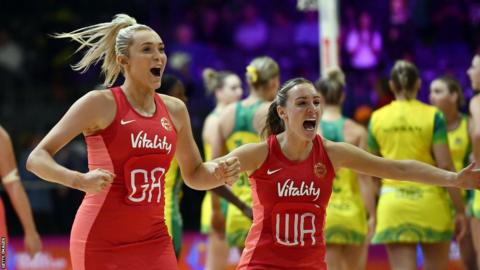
286 159
134 110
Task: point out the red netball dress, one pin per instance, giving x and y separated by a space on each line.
289 202
123 227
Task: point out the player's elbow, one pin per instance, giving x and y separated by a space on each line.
32 161
189 182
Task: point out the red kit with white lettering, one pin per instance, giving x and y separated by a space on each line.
289 202
123 226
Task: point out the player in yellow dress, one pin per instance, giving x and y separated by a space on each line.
241 123
227 88
353 195
172 86
447 95
474 74
411 213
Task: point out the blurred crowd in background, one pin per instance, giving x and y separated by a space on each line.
37 84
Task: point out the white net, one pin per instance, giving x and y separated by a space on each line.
306 5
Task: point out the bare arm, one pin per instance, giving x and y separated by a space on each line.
196 174
346 155
212 135
475 113
367 186
442 156
17 195
89 114
217 141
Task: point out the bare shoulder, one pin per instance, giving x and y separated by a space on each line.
210 126
356 128
476 98
229 110
227 118
4 137
475 103
101 99
211 122
339 153
177 111
173 104
261 116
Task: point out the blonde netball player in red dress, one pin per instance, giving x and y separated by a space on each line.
291 176
132 134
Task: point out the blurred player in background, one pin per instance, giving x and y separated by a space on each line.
18 197
347 229
447 95
411 213
240 123
226 88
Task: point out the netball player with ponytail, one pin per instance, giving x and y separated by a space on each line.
240 123
414 213
447 95
291 175
132 134
347 230
227 88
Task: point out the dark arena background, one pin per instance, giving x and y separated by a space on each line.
37 84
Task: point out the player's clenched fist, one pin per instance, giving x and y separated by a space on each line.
94 181
227 170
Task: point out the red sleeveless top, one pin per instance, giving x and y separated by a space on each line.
123 226
289 202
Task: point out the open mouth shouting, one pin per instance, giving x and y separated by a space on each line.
156 71
309 124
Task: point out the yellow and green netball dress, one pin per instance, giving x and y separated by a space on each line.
206 215
237 224
173 194
409 212
346 221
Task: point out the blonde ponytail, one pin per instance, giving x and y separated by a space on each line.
335 74
404 76
104 41
332 86
214 80
261 70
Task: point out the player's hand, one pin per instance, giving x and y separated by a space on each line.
469 177
95 181
227 170
461 226
32 242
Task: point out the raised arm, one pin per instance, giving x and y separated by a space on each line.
91 113
346 155
196 173
17 195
